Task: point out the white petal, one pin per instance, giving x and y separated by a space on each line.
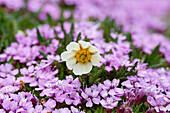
70 62
88 67
81 68
65 55
84 44
93 49
77 70
95 59
73 46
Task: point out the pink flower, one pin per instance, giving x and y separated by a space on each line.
7 70
109 103
50 103
91 96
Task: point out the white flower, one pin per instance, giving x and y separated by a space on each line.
80 57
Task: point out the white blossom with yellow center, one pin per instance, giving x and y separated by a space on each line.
80 57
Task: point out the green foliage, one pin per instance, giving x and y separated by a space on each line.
42 40
137 108
11 60
86 39
78 37
128 37
68 37
63 71
154 60
123 72
12 22
7 30
136 52
96 109
109 26
99 75
50 21
43 54
96 76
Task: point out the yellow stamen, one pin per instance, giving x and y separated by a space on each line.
83 55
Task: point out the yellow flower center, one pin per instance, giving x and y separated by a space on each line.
83 55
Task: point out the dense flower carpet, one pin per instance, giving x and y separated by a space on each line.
84 56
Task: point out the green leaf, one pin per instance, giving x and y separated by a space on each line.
97 80
154 53
91 80
99 110
11 60
95 75
144 98
44 55
72 30
40 38
138 108
109 26
98 74
61 75
155 59
89 111
49 19
78 37
65 34
109 52
67 37
136 52
114 71
86 39
122 71
8 28
129 37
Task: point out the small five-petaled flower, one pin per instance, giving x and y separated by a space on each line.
80 57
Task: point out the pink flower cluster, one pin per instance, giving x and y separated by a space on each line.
13 4
138 17
152 83
21 102
46 7
119 55
8 81
134 15
151 41
68 90
27 47
25 102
